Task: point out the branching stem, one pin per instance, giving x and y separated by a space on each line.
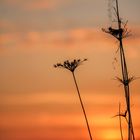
125 78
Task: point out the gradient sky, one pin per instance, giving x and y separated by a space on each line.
38 102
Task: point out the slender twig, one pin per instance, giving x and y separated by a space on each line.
120 122
125 76
124 115
82 105
71 66
120 33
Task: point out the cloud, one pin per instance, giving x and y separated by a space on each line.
8 40
43 4
73 38
5 25
37 4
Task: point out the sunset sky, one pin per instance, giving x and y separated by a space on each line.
39 102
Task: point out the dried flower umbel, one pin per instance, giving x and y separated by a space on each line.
71 66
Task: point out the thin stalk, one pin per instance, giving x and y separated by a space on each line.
120 123
125 78
82 105
131 129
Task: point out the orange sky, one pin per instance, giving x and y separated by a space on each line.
38 102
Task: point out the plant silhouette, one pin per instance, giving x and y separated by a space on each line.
120 115
71 66
120 33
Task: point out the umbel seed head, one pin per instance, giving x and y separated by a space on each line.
70 65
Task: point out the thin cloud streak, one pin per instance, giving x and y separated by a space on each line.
33 5
63 38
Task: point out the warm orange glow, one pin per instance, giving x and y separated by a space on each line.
111 135
39 102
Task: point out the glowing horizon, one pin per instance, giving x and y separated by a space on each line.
39 102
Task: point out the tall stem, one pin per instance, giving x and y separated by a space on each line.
82 105
120 122
125 78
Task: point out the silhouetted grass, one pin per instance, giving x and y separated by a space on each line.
71 66
120 33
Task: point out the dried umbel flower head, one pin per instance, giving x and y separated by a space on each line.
117 33
70 65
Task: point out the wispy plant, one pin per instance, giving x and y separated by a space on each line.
121 32
71 66
120 115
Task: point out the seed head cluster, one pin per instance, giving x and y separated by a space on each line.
70 65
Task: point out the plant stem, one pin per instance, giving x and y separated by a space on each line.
82 105
120 122
125 78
